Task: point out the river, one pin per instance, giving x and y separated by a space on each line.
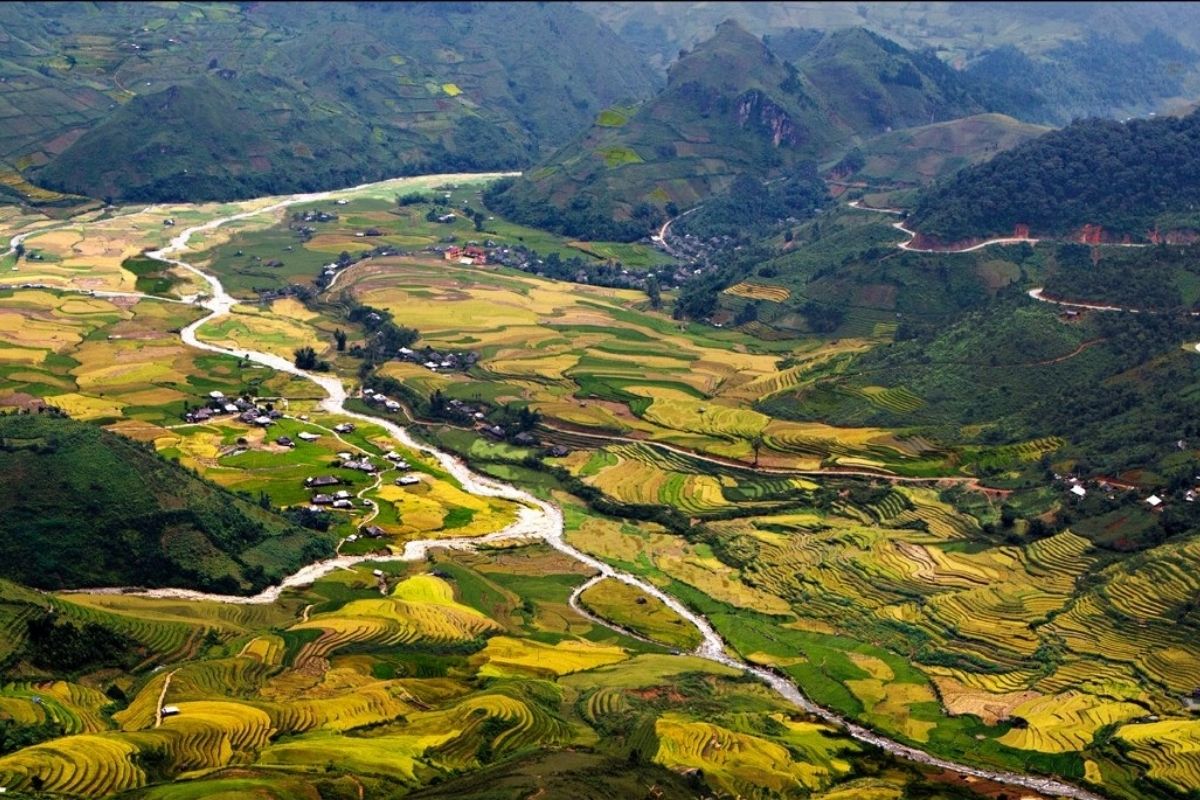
537 520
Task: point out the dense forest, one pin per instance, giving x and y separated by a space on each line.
1127 178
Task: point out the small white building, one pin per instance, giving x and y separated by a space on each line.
407 480
215 395
308 437
1078 491
170 711
1154 501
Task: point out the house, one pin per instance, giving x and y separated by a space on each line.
263 420
201 414
525 439
230 408
249 417
215 395
558 451
1078 491
495 431
1154 501
374 531
284 441
344 427
168 222
343 504
407 480
346 456
322 480
308 437
447 218
341 495
322 499
169 711
391 405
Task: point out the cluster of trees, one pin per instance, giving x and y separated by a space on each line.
584 217
752 209
306 358
1146 278
1121 176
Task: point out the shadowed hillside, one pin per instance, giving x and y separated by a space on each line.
85 507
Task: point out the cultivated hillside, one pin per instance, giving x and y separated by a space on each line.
85 507
731 107
192 102
1095 180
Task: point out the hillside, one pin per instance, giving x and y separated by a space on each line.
278 97
85 507
1041 62
1095 180
921 155
731 107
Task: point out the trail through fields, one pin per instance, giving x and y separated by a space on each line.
537 520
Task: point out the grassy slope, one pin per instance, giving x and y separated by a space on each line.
85 507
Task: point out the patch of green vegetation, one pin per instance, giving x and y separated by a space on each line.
135 518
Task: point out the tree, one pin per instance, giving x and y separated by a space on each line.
478 218
306 358
756 443
19 249
654 292
340 336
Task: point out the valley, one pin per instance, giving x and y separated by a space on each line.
785 413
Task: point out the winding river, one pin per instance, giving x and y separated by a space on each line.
536 520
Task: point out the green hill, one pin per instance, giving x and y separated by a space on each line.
921 155
1119 180
731 107
85 507
292 96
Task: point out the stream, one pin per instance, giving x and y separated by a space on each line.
537 520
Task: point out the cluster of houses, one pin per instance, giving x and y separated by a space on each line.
472 254
221 406
433 360
342 499
1078 489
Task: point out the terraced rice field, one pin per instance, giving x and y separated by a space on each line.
759 291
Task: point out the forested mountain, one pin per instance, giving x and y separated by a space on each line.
84 507
731 107
148 101
1122 181
1040 62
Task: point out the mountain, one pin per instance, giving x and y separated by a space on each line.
214 102
871 84
1095 180
731 107
1041 62
85 507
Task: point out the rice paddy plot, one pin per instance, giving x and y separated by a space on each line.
631 608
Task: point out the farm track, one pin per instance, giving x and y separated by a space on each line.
162 697
537 520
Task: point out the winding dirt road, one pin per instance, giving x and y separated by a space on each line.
536 520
